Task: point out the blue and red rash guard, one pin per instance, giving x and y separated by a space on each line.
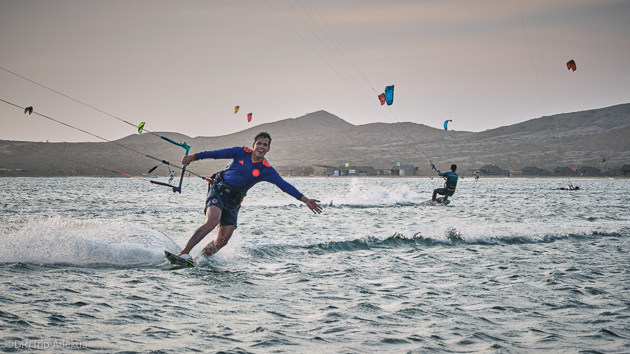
242 173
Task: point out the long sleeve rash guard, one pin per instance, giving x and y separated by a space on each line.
242 173
451 179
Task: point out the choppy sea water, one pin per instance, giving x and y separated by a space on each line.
512 265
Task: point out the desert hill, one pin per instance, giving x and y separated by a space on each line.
320 138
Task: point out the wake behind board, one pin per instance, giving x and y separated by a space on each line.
178 261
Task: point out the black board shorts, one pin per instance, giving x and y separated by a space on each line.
228 205
445 191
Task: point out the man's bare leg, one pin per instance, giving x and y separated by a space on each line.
213 215
223 236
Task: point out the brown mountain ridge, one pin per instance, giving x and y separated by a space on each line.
320 138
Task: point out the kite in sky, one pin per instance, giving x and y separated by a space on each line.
381 98
140 127
236 109
389 95
446 123
249 117
571 65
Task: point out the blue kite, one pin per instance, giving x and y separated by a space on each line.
446 123
389 95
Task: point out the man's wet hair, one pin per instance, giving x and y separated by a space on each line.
263 135
453 166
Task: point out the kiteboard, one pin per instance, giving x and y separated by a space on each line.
178 261
438 202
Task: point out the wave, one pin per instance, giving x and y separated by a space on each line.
360 193
451 238
100 209
60 240
93 243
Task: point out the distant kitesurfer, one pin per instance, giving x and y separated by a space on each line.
449 185
172 176
476 176
572 187
228 188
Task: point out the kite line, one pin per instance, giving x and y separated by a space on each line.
184 145
365 95
570 66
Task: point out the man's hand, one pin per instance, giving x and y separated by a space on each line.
312 204
186 160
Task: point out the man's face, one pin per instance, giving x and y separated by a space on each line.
261 147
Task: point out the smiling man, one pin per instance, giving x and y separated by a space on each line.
228 188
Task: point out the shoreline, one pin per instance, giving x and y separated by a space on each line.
346 177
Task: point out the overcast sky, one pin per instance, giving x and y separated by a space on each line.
182 66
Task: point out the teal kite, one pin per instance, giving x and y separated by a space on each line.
446 123
389 95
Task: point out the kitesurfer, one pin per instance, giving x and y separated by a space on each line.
572 187
228 188
476 176
449 185
172 176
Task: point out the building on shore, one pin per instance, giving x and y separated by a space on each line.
287 171
323 170
564 171
535 171
493 170
589 171
404 170
356 171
